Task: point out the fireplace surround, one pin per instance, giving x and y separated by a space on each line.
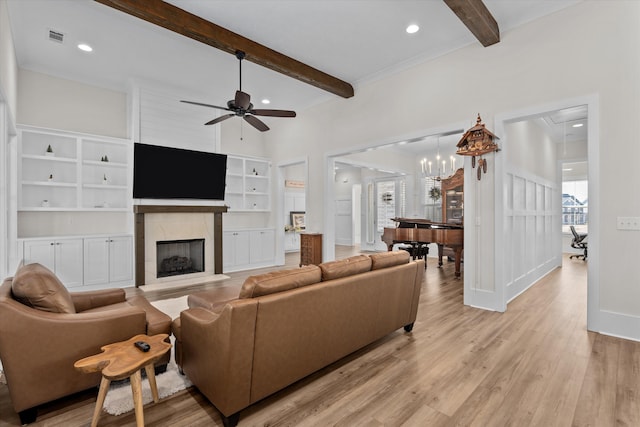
144 266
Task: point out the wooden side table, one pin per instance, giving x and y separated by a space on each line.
121 360
310 248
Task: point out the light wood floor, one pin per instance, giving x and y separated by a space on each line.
534 365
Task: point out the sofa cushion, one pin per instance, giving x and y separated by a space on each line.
345 267
214 299
389 259
36 286
279 281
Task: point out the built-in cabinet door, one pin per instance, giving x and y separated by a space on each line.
63 257
235 248
42 252
108 260
261 248
69 262
120 259
96 261
291 241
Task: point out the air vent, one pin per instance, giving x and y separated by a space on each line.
56 36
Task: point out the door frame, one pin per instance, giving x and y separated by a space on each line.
279 201
593 149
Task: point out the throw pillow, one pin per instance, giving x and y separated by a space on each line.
36 286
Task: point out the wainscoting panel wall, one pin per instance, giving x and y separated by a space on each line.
532 231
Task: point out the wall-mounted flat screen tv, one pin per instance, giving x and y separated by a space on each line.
175 173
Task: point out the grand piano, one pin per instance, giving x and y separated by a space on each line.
416 231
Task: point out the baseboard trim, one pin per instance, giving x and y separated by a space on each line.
619 325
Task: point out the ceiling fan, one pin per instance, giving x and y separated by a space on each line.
241 106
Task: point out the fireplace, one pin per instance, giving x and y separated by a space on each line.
177 257
162 223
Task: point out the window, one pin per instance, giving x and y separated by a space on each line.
432 199
386 199
575 206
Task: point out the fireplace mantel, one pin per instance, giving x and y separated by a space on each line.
141 210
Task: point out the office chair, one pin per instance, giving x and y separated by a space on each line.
578 242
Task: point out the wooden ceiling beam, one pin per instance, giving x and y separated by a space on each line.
477 18
187 24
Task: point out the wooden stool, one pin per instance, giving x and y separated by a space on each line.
124 360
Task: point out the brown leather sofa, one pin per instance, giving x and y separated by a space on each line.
285 325
44 329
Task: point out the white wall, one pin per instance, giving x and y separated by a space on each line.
530 149
8 63
590 48
56 103
240 138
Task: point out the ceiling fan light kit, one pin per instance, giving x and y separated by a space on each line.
241 106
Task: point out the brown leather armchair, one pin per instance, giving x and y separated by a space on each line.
45 329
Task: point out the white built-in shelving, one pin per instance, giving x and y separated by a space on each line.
248 184
80 172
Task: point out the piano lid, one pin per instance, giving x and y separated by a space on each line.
425 223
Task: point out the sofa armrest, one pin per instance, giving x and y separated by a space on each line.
38 348
157 321
217 352
93 299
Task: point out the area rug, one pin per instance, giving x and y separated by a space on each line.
119 398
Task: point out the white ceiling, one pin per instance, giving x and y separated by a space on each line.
354 40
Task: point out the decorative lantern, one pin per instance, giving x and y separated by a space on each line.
475 142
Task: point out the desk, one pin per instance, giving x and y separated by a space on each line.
124 360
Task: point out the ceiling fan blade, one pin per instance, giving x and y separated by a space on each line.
206 105
274 113
219 119
243 100
256 123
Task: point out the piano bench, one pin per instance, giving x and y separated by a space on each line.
417 251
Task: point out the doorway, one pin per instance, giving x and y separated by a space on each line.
394 158
291 196
509 234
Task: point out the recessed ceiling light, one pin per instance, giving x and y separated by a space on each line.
567 170
578 125
266 101
413 28
85 47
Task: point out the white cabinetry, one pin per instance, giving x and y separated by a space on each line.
235 250
89 261
108 260
261 246
291 241
62 256
67 171
248 248
293 202
248 184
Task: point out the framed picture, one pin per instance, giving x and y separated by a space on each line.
298 220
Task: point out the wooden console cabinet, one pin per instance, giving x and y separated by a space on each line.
453 198
310 248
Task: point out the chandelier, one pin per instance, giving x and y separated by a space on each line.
439 171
